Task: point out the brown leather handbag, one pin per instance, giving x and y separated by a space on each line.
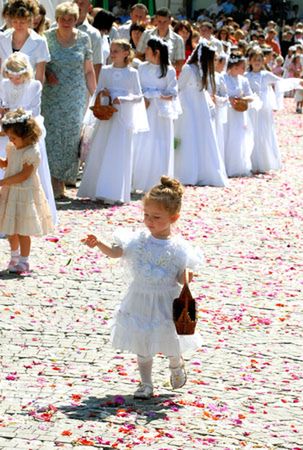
102 112
185 311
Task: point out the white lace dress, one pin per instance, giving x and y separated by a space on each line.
143 322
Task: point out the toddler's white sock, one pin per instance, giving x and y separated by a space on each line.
145 365
174 362
15 254
23 259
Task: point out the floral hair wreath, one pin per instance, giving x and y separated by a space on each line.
17 119
15 73
235 59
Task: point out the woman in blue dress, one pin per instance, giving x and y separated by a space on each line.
68 77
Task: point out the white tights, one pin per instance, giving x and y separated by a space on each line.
145 364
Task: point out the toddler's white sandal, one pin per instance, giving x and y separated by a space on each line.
21 267
178 376
12 264
145 391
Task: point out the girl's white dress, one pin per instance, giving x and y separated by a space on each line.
198 160
108 169
154 150
28 96
221 98
24 209
239 140
143 323
266 154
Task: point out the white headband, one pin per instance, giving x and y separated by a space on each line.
15 72
236 59
18 119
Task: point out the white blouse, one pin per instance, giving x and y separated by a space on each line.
35 47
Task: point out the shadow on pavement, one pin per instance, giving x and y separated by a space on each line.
5 275
70 202
94 408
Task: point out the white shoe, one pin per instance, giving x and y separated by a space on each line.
178 376
144 392
21 267
12 264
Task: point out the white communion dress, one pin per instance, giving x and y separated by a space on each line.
198 160
108 169
239 140
143 323
221 98
28 96
266 154
154 150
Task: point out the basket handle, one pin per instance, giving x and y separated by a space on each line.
186 282
186 276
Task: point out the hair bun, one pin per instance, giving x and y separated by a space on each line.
173 184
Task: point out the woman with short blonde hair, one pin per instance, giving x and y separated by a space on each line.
67 9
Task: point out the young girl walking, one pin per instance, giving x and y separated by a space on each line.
238 143
154 150
108 170
157 261
266 154
18 88
24 211
198 160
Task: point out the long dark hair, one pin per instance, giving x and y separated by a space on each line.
158 44
204 58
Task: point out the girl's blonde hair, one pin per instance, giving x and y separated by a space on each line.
168 193
67 9
22 125
17 64
126 46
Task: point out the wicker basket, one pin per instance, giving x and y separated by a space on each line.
184 310
240 104
102 112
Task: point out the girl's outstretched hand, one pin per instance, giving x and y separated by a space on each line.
91 241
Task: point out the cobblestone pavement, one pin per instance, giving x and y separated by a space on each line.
63 386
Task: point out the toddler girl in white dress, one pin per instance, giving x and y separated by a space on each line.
156 260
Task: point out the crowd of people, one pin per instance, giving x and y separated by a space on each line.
191 100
